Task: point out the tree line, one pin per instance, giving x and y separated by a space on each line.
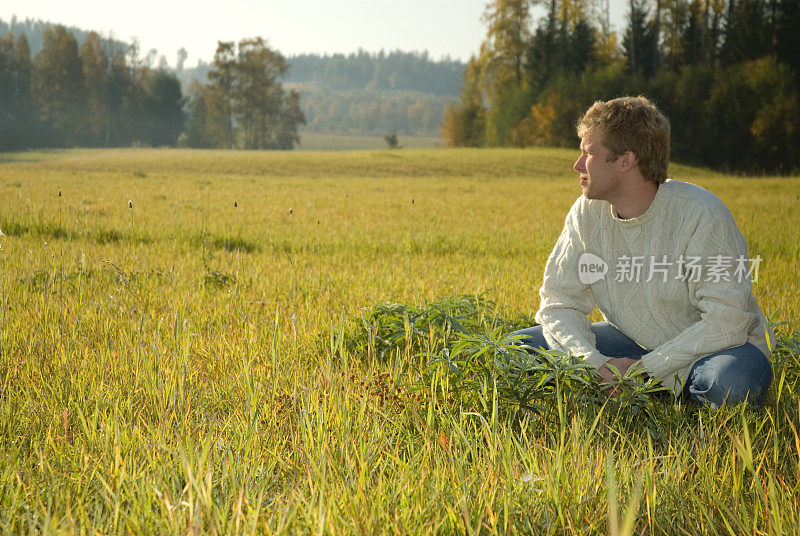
34 30
114 95
98 95
102 94
725 72
393 71
374 93
373 112
366 93
381 71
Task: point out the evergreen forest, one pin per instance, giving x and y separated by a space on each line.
725 72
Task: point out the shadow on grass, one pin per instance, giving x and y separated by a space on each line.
56 231
228 243
29 156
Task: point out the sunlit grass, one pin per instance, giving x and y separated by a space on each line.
313 141
186 364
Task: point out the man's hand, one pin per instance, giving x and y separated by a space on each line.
622 364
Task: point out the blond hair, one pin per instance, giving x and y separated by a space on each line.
631 124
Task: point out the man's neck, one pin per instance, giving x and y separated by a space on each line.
637 199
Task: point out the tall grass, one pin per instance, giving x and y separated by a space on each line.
313 141
191 366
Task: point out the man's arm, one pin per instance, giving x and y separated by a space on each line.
566 302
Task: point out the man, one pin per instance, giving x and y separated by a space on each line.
662 260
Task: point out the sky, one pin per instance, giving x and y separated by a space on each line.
442 27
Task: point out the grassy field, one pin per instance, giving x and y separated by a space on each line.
182 352
313 141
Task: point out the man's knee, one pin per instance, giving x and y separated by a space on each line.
731 378
531 336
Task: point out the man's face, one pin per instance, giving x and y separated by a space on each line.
599 178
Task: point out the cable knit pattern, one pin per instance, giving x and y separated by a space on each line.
678 319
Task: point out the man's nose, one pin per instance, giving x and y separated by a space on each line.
579 167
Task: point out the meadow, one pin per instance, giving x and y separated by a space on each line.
314 141
186 347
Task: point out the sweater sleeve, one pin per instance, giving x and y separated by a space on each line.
565 300
719 294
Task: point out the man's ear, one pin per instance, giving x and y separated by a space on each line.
628 160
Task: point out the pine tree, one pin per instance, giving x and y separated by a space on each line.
748 33
59 86
95 74
119 92
787 38
163 102
640 41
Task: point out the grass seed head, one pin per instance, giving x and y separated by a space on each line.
130 203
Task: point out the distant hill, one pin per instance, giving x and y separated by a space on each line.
34 32
368 93
393 71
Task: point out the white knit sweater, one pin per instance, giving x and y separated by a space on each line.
677 319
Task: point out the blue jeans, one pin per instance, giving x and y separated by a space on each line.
730 376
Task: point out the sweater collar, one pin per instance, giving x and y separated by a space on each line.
658 201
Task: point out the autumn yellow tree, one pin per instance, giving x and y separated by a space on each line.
464 124
501 64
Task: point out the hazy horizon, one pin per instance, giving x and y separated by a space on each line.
441 27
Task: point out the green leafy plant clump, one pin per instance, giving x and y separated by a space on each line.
432 326
469 359
467 355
